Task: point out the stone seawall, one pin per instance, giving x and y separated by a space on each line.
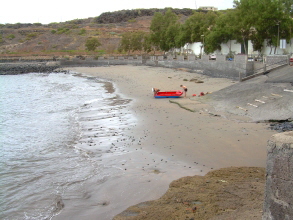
219 69
278 202
28 67
237 69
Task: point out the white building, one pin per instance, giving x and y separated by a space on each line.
208 8
237 48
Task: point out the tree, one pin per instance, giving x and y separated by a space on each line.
135 41
223 31
147 43
171 39
262 20
162 27
92 43
200 23
125 43
288 4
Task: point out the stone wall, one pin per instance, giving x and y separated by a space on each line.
278 202
273 61
237 69
222 69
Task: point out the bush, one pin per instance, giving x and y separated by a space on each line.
31 36
132 21
37 24
92 43
53 31
63 30
82 32
10 36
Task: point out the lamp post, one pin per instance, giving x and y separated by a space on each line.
278 36
202 45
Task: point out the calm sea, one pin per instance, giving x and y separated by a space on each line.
46 124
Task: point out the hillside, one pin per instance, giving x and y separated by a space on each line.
70 37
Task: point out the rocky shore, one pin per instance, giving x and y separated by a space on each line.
27 67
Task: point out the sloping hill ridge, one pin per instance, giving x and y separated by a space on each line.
37 39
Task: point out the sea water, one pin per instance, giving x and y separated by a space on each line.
47 122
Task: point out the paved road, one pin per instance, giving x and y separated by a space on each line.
282 75
263 98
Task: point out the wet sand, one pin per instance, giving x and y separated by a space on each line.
168 142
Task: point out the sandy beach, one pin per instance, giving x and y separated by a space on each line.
168 142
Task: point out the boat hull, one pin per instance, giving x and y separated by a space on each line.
169 94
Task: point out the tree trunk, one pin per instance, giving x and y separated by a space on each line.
245 51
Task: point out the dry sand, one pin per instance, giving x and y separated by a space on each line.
170 142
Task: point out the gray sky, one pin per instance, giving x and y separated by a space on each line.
33 11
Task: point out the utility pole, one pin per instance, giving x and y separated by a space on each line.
278 42
201 53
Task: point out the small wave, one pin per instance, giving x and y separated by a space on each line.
91 101
58 205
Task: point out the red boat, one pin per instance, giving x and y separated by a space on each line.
169 94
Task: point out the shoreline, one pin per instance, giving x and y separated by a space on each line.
193 142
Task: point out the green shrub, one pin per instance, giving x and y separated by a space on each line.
132 20
82 32
63 30
37 24
10 36
31 36
101 52
53 31
92 43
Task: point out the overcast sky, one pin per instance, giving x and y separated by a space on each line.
45 12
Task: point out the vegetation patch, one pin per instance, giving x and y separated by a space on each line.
92 43
63 31
82 32
30 36
10 36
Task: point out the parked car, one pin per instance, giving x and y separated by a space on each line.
212 57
